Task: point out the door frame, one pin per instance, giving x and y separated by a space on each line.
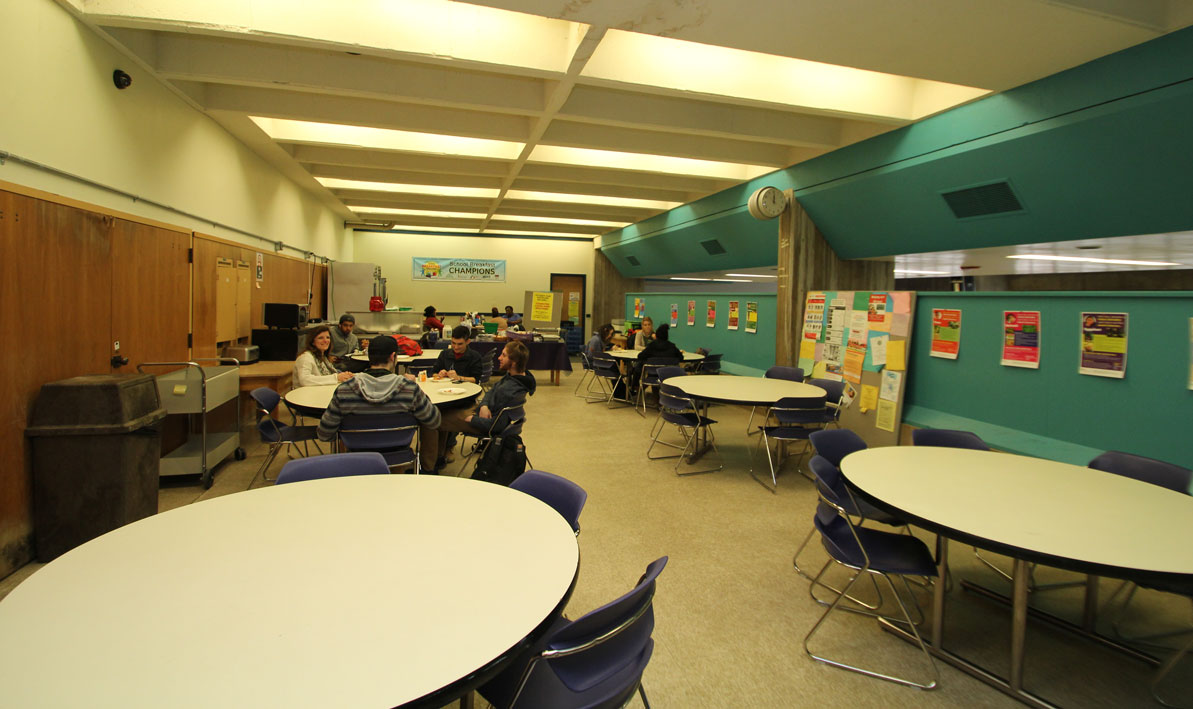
583 295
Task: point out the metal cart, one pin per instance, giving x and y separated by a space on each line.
195 390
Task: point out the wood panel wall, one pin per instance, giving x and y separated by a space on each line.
808 263
73 281
608 291
285 281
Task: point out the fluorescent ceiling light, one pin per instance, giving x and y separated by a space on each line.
591 199
689 67
682 278
732 280
578 235
555 220
751 275
921 273
283 129
1083 259
454 229
337 183
644 162
417 212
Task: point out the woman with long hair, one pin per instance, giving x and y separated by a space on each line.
599 342
643 337
313 367
431 321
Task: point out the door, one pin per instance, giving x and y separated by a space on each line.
572 285
150 294
244 300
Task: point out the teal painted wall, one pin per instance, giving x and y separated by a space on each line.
1149 412
744 353
1098 150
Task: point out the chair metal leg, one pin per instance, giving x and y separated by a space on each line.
273 451
642 693
1163 672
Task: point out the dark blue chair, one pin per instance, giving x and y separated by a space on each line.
833 445
791 374
486 372
596 660
796 417
711 364
564 496
606 370
678 409
666 373
394 436
336 465
274 432
424 365
585 375
945 438
505 422
878 554
650 376
834 392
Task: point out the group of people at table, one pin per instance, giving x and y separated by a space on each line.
649 342
381 390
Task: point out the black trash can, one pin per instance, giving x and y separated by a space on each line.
96 444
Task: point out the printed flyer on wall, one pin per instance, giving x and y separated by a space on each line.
946 333
734 314
674 314
1103 345
712 313
1021 338
752 324
814 316
542 306
639 308
691 312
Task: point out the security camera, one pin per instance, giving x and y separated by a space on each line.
121 79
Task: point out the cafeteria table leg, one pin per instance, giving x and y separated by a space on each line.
1089 615
1018 623
938 590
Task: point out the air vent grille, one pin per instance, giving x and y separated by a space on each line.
713 247
633 260
983 201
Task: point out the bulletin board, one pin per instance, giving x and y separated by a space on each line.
862 338
545 309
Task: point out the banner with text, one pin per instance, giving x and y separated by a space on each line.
458 269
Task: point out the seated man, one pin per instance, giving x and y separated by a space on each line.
460 362
343 342
515 386
378 390
512 318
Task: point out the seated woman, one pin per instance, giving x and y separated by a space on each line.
643 337
599 342
313 367
660 346
431 321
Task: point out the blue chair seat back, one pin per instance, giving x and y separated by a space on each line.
944 438
336 465
564 496
378 432
791 374
650 369
1148 470
833 445
792 410
666 373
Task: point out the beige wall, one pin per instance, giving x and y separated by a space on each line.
61 109
529 265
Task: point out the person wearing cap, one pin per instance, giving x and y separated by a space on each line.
378 390
343 342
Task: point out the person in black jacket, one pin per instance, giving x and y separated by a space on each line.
660 346
458 361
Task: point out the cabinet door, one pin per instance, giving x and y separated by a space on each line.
225 301
244 300
150 294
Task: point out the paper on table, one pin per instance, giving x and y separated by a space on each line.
869 398
900 323
886 415
896 355
901 302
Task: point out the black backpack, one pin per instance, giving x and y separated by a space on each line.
502 462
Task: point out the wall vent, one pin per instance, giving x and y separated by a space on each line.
983 200
713 247
633 260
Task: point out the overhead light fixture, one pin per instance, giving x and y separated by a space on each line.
555 220
577 235
732 280
1085 259
284 129
591 199
684 278
914 272
751 275
417 212
402 188
451 230
646 162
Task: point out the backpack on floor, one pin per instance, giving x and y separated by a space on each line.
502 462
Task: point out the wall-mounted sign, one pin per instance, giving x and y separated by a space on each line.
1103 344
1021 338
458 269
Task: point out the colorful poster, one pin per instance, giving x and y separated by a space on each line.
1021 338
852 368
946 333
734 313
712 313
876 309
574 306
752 318
674 314
814 316
639 308
691 312
458 269
542 305
1103 345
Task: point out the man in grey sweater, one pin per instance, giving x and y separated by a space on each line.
379 391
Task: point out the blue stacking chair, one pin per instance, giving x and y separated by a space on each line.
596 660
506 422
711 364
791 374
666 373
678 409
585 375
564 496
606 370
650 376
878 554
336 465
834 400
274 432
486 372
394 436
796 417
426 365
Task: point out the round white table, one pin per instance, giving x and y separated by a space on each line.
633 354
1032 510
751 391
443 391
357 591
428 356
